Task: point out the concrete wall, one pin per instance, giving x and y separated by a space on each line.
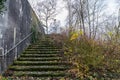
15 25
21 16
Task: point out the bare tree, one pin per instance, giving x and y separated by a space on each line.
76 14
94 14
55 26
47 11
69 19
85 15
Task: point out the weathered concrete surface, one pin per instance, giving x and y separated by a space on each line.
19 18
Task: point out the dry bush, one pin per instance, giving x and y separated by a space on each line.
91 57
57 39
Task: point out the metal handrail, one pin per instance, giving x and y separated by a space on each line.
16 44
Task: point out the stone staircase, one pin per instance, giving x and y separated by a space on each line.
40 60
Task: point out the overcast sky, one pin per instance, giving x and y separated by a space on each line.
60 16
111 8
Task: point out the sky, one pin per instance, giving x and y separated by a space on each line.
112 8
62 14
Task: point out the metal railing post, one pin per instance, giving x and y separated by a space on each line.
1 59
5 56
16 54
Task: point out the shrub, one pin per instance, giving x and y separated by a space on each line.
91 57
94 59
84 53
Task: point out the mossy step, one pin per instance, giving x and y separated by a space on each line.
40 74
42 44
45 42
42 52
40 59
39 68
39 55
39 63
43 48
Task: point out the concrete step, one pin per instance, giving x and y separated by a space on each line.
39 55
41 45
39 68
40 59
45 52
41 63
41 74
37 47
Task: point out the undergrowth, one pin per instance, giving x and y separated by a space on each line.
94 59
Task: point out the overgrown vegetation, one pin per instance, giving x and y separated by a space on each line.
35 34
3 78
94 59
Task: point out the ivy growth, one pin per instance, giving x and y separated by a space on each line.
2 6
35 34
33 38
